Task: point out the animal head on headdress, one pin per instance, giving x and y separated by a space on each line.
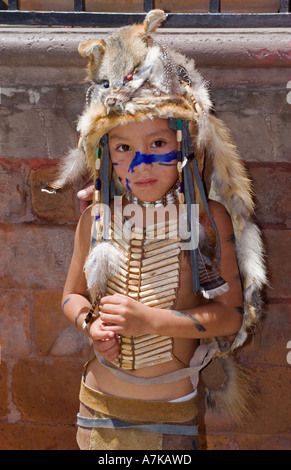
134 78
129 69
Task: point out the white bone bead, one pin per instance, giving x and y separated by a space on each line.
164 249
156 303
152 285
159 277
159 295
159 244
161 256
144 294
135 263
154 266
159 271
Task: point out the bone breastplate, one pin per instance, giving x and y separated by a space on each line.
149 273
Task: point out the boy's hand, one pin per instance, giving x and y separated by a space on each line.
123 315
107 343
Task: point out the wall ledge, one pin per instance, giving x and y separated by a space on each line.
52 47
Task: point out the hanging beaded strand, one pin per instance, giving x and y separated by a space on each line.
97 232
97 195
179 163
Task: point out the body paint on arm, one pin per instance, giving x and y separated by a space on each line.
197 324
240 310
66 301
231 238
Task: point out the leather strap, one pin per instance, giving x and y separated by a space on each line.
202 356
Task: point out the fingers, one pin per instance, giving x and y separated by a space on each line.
116 329
85 197
105 341
113 309
86 194
120 314
114 299
112 321
109 349
113 305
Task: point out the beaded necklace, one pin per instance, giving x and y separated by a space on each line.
171 197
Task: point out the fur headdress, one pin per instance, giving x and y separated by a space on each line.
133 78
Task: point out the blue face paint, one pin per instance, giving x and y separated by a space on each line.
127 181
164 160
149 159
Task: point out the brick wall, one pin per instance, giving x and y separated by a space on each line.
41 355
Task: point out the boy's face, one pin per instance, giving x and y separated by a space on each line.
144 157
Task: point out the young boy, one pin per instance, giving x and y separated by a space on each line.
151 304
122 315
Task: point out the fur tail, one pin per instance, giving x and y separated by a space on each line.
231 186
235 395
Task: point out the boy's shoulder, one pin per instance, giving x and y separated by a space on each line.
86 215
85 221
220 215
216 207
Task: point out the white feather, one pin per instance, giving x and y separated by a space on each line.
101 264
146 68
72 169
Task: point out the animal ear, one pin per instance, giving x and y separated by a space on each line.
153 21
95 47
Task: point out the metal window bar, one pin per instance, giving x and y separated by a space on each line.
79 5
13 5
80 18
285 6
214 6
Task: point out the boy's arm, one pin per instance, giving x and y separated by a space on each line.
75 302
223 316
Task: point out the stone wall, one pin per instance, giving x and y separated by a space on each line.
42 94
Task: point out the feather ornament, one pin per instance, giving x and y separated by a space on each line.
101 264
72 170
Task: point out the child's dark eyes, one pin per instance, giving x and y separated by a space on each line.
158 144
126 148
123 148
